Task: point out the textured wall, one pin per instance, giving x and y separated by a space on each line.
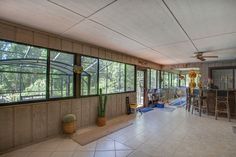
26 123
22 124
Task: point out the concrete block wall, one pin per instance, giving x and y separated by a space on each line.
26 123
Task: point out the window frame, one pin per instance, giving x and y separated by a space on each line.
80 64
98 58
47 98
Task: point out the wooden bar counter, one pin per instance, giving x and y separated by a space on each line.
211 101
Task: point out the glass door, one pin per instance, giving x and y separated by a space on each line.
140 87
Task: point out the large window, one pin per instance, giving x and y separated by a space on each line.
22 72
89 76
158 79
223 78
61 74
149 78
175 80
153 79
111 76
182 80
130 77
165 79
30 73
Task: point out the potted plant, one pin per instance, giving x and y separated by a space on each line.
101 121
68 123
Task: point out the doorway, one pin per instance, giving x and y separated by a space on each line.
140 87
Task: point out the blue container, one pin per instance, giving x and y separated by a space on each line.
160 105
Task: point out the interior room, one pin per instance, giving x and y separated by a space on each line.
117 78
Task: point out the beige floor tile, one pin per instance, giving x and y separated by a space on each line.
105 154
83 154
16 154
62 154
40 154
89 147
67 145
105 145
120 146
139 153
123 153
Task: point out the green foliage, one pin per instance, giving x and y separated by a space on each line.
23 72
102 104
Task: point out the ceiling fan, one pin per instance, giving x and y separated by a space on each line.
200 56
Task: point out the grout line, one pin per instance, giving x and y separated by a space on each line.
179 24
101 8
68 9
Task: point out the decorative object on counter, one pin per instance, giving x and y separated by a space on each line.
68 124
101 121
200 85
192 75
181 77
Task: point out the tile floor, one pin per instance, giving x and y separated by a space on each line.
155 134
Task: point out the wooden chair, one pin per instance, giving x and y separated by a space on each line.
222 103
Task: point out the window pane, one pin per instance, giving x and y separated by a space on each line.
111 76
130 77
174 80
187 80
183 80
162 79
61 74
223 78
158 79
153 79
166 79
148 78
89 76
22 72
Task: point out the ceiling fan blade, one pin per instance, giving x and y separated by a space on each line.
202 59
210 56
200 52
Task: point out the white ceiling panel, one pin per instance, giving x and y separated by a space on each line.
203 18
148 22
93 33
83 7
135 27
227 54
180 51
38 14
154 56
226 41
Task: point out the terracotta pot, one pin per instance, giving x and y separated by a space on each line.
69 128
101 121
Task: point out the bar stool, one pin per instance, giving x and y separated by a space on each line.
222 103
200 103
195 99
188 99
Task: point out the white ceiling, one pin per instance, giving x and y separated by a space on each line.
165 32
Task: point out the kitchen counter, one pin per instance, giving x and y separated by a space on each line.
211 100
